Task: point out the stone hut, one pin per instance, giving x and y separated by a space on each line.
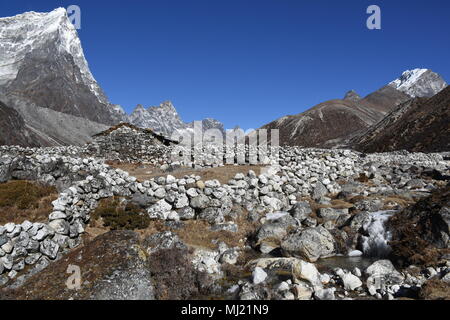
127 141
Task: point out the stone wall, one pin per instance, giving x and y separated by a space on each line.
84 181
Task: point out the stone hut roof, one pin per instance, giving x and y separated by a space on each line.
159 137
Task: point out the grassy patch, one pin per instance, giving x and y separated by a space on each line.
117 214
24 200
224 174
197 233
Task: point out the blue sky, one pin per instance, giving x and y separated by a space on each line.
248 62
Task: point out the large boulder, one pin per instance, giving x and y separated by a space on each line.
301 210
382 274
310 244
162 241
299 269
276 227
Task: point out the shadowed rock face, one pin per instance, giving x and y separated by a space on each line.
352 95
13 129
51 79
419 125
421 233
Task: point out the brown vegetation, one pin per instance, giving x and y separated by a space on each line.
117 214
435 289
98 260
416 231
223 174
197 233
24 200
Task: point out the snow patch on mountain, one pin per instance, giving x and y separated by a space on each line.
419 83
164 119
25 32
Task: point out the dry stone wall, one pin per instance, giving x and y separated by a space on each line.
84 181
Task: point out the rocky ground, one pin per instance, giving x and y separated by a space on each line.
317 224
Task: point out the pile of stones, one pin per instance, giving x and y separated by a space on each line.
276 198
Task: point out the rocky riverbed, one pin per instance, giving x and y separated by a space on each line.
315 224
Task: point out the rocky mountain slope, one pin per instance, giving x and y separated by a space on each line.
334 123
43 62
421 125
45 77
163 119
13 128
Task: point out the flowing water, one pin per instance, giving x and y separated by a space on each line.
376 243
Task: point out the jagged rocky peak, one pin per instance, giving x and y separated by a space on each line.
28 31
41 52
419 83
163 119
352 95
166 106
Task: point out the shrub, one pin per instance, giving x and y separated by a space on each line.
435 289
119 214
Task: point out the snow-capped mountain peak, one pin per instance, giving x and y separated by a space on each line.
25 32
419 83
37 48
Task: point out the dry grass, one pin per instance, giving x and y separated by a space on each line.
197 233
435 290
401 201
24 200
334 203
224 174
120 215
194 233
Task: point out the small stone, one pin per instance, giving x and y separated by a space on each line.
49 248
259 275
170 179
8 247
200 184
283 286
56 215
351 282
60 226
